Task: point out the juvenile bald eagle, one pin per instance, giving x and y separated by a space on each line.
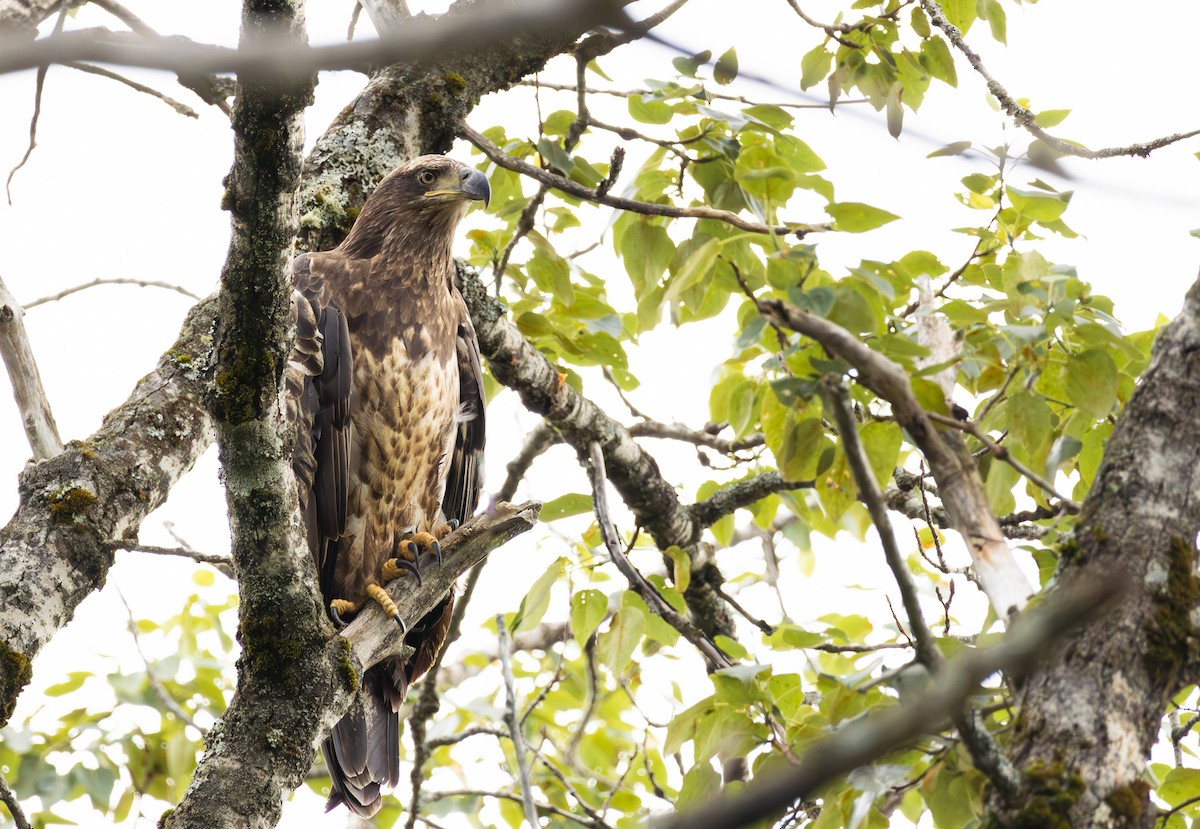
385 391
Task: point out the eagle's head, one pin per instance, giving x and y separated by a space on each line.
422 201
433 182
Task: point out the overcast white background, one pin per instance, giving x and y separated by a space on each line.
121 186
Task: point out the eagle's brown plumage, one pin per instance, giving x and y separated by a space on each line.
385 390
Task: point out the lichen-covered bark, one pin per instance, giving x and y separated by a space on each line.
21 17
287 653
53 551
406 110
1088 718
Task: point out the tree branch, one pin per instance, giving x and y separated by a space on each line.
961 489
424 39
871 737
729 499
571 188
141 283
637 581
1026 119
32 403
510 720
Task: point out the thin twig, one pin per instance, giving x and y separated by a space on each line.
516 798
733 497
222 563
597 817
580 191
141 283
38 86
160 690
1023 116
465 734
1002 453
181 108
14 806
637 581
593 699
649 428
765 627
708 94
540 439
510 720
834 32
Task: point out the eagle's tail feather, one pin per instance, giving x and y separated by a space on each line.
363 750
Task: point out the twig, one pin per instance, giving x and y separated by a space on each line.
160 690
1025 118
141 283
649 428
597 817
14 806
740 494
593 699
453 739
222 563
1002 453
765 627
181 108
870 737
872 496
637 581
514 727
539 440
32 402
708 94
39 85
961 489
516 798
831 31
354 15
1166 816
577 190
427 700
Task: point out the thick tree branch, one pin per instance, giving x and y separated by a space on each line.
424 39
32 402
731 498
871 737
55 550
246 772
1023 116
953 467
1099 707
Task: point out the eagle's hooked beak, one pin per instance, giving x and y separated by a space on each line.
472 185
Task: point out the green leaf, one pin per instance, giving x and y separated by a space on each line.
1091 382
920 23
615 646
588 609
1038 205
1180 784
696 268
698 786
681 568
203 577
688 66
956 148
854 217
683 725
960 13
790 636
727 68
564 506
997 20
814 66
733 648
936 58
649 111
1051 117
537 600
73 682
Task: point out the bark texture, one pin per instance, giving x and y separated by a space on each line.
54 551
1089 718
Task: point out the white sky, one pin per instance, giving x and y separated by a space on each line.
121 186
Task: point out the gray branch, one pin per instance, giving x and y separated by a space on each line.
32 402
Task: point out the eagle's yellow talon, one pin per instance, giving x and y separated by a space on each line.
385 601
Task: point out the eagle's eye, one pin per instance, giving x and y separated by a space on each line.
426 177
